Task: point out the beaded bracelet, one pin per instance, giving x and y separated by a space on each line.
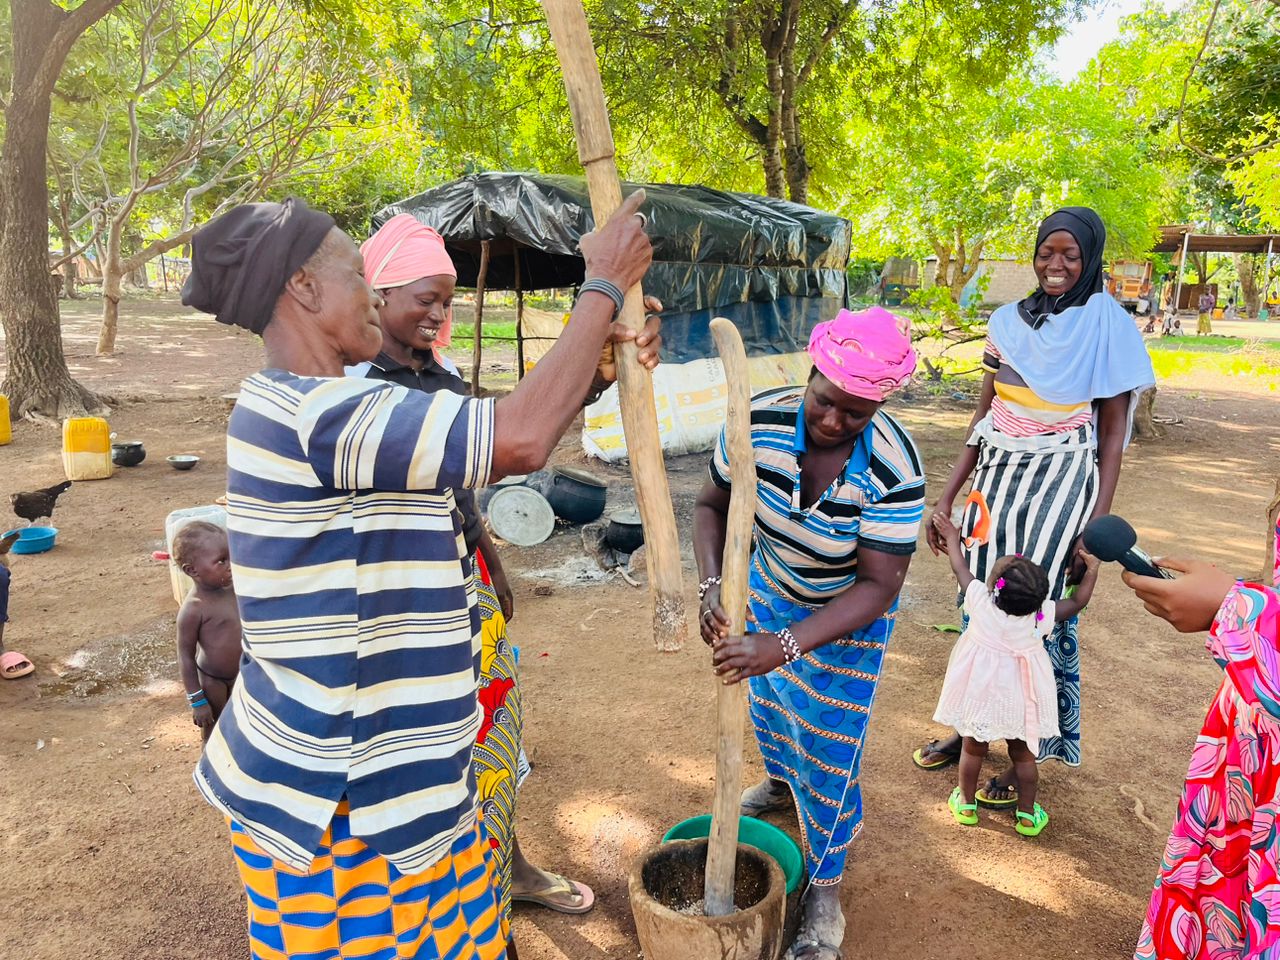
706 585
790 646
198 695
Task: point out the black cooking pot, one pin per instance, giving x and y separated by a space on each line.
624 533
128 454
575 495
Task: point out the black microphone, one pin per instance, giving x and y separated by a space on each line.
1111 538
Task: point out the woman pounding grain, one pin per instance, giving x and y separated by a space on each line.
1063 371
839 497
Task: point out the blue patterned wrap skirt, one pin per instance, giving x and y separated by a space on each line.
811 718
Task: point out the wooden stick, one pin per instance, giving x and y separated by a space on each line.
722 850
515 257
475 346
569 31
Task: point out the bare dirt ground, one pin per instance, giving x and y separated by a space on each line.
107 850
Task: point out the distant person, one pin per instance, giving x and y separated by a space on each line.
210 639
999 683
1207 302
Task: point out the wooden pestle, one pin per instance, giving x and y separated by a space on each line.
722 850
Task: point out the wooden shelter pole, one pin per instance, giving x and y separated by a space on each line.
572 39
515 256
722 850
1266 273
475 346
1182 266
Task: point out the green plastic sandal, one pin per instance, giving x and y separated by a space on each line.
1036 822
966 814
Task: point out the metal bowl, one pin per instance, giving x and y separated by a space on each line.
182 461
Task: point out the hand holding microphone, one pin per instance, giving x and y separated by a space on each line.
1111 538
1189 602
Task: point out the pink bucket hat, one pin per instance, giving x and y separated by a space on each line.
866 354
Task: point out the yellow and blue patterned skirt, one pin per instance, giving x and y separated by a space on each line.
496 759
353 904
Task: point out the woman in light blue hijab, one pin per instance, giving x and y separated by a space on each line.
1064 368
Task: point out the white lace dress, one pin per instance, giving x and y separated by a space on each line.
999 683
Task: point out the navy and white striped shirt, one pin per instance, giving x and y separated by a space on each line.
875 503
361 629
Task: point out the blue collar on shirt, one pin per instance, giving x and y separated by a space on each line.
859 457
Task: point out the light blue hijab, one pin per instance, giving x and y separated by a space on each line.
1085 353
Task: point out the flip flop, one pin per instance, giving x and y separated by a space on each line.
1031 824
14 665
948 758
560 887
985 800
966 814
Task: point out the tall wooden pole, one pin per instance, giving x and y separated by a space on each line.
475 346
572 38
515 256
722 850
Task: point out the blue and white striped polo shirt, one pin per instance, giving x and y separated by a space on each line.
877 502
361 629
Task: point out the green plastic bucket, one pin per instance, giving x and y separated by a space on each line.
755 833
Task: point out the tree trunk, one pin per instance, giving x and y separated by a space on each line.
1247 270
942 274
1144 425
112 275
37 380
68 243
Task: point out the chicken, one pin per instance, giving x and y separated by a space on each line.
33 505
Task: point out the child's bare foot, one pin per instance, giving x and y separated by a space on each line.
822 929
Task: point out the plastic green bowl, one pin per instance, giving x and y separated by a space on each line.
755 833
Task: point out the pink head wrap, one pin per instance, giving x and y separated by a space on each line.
402 251
866 354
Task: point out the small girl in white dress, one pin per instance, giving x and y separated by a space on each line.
999 683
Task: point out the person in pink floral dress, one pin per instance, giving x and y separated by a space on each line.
1217 895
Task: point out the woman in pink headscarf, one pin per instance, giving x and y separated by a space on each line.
839 497
406 261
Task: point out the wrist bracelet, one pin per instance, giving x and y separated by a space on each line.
198 695
608 288
790 646
706 585
197 704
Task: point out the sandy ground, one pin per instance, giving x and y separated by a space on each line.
106 848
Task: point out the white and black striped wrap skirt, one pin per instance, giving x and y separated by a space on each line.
1033 496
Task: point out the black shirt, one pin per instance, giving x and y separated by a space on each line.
432 377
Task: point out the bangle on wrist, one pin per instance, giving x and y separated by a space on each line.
790 646
608 288
197 704
198 695
706 585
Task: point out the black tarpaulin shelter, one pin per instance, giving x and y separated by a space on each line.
773 267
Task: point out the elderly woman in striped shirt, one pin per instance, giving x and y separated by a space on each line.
342 762
839 498
1064 368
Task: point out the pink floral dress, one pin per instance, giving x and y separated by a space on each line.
1218 893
